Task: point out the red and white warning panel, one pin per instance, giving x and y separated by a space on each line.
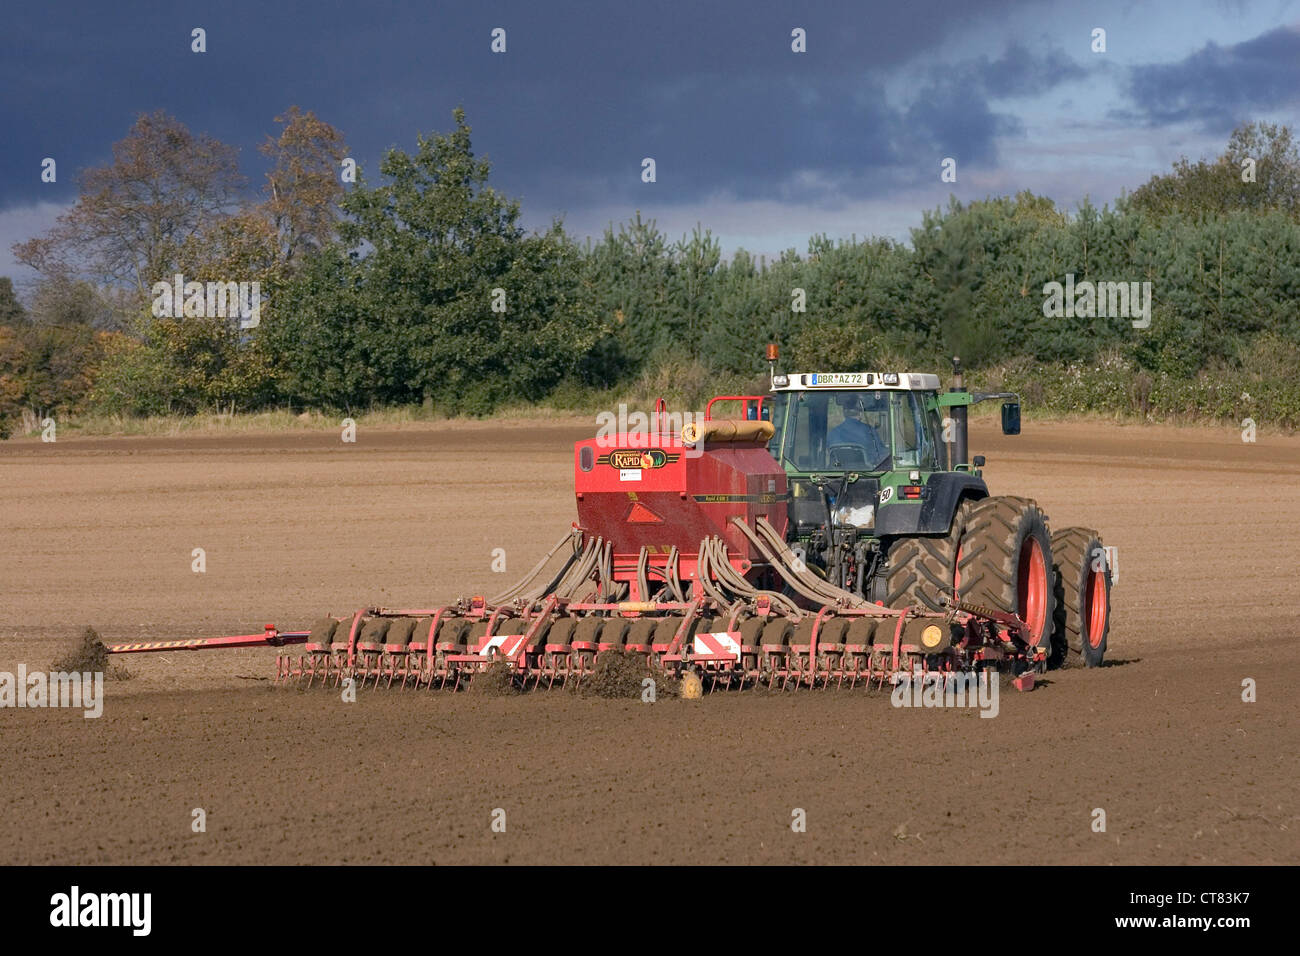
719 645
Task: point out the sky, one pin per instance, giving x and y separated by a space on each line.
762 145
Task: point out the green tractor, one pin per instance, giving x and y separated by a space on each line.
887 503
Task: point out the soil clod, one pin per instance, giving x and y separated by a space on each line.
88 654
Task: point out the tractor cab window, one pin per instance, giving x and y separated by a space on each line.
916 434
774 411
837 431
854 430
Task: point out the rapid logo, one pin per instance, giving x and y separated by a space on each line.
638 458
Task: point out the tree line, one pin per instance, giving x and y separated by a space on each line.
422 287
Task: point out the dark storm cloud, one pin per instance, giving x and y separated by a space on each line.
1217 87
953 114
711 91
1018 72
813 136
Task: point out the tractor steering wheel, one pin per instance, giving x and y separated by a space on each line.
847 456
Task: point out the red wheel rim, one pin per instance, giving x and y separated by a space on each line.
1032 579
1096 617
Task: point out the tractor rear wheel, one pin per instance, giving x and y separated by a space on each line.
1004 562
1082 621
920 571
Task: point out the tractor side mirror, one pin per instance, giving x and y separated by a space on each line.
1011 418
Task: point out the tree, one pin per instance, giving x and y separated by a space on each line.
436 294
695 264
1277 168
1216 187
303 187
62 300
134 215
11 310
632 270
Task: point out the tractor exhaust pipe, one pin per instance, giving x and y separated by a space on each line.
957 448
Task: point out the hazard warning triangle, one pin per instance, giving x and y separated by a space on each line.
640 514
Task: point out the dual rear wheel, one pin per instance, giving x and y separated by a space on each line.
1000 554
1082 598
1004 562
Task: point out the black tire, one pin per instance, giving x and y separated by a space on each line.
1081 627
1006 562
919 570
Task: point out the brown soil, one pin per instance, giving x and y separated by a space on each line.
496 680
296 526
619 676
86 654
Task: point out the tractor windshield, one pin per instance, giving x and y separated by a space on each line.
854 430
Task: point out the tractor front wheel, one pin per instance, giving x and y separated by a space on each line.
921 571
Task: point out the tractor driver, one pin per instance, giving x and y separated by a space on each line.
855 431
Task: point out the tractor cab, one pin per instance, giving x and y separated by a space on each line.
868 430
871 457
856 446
